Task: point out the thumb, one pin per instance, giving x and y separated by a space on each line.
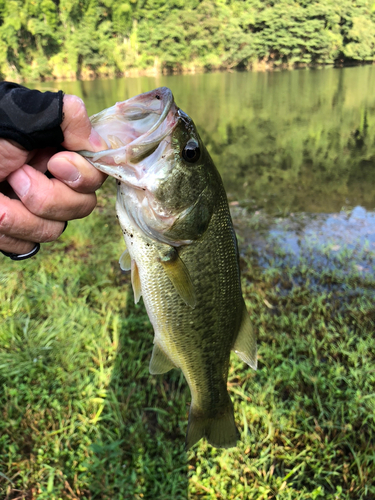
77 128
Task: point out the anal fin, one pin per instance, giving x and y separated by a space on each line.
136 282
245 345
159 363
179 275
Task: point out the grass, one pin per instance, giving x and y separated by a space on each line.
81 417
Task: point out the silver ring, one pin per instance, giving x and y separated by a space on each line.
23 256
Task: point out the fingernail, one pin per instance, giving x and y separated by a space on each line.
20 183
67 171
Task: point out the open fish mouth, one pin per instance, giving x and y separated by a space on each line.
134 130
142 156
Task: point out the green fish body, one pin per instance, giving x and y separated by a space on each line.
182 253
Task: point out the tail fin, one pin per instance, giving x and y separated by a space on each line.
221 432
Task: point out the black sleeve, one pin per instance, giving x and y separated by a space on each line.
29 117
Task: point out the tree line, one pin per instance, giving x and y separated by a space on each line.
42 39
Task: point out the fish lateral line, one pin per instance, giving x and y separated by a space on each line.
171 197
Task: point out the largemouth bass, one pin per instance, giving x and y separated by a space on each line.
181 250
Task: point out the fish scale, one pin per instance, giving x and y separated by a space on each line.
185 264
208 331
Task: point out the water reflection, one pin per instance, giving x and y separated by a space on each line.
342 241
300 143
293 140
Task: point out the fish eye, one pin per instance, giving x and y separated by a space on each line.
191 152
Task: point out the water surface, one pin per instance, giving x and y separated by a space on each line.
296 151
283 141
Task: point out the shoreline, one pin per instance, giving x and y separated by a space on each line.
156 70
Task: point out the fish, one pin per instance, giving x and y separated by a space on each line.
182 251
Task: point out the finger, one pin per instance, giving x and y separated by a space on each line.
77 129
13 245
17 222
76 172
6 190
11 158
41 158
49 198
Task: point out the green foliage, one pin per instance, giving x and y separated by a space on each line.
302 140
81 418
42 39
78 416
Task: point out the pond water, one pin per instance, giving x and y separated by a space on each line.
300 142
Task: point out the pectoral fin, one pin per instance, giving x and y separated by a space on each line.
245 345
125 261
136 282
160 363
179 275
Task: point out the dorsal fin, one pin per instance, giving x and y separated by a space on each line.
245 345
160 363
179 275
125 261
136 282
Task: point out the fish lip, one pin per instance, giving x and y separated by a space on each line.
170 112
144 102
164 94
167 97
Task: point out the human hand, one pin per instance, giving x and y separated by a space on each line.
44 205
